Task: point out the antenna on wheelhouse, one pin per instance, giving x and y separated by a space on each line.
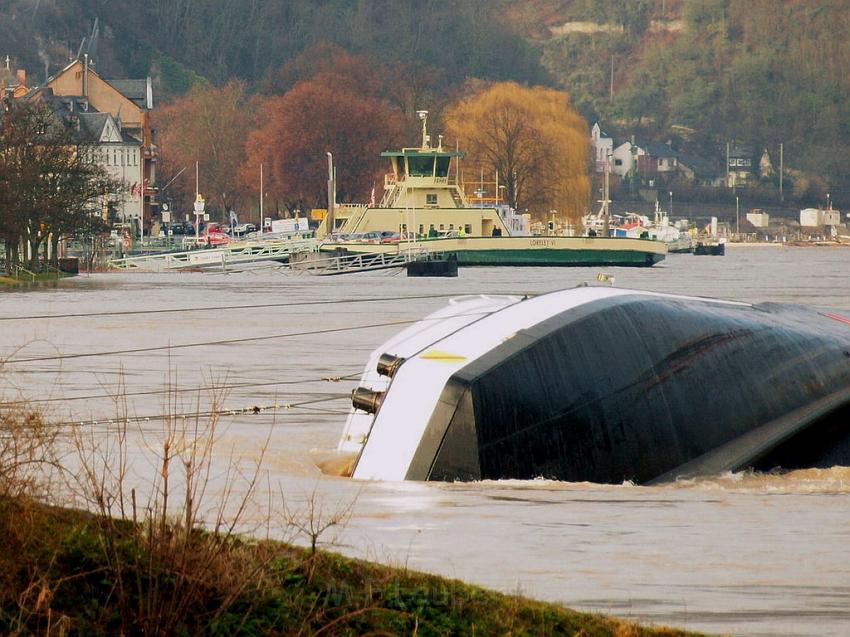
423 115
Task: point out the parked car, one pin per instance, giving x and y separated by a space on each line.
215 235
389 236
241 229
212 235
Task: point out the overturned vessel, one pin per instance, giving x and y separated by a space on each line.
604 385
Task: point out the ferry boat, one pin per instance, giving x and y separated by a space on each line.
425 204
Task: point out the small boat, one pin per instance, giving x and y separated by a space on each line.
603 385
710 248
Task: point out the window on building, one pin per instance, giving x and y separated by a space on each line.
468 228
422 228
442 227
618 162
431 199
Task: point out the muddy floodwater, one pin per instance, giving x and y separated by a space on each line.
738 554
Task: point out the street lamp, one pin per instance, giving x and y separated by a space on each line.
827 202
671 204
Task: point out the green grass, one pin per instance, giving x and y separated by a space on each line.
72 573
22 278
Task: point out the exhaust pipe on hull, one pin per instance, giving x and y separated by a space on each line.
388 365
366 399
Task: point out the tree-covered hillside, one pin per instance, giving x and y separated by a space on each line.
219 39
698 72
760 73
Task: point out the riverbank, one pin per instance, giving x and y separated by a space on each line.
33 279
788 244
80 574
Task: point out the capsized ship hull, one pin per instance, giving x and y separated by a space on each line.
530 251
604 385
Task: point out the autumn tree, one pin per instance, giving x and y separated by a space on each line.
534 139
210 126
407 85
324 61
316 117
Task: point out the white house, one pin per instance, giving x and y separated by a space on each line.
759 218
623 159
602 146
119 153
121 156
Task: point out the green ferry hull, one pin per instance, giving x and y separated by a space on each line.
530 251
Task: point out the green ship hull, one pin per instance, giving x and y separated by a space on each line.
528 251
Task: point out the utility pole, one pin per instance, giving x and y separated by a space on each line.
781 171
611 86
260 224
331 194
199 208
606 223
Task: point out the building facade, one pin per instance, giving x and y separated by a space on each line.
13 84
118 153
130 104
602 146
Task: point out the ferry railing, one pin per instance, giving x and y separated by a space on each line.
358 262
223 257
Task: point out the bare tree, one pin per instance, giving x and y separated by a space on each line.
50 185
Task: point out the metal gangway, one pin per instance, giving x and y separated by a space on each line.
328 263
235 254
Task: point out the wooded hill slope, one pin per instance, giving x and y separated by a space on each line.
704 72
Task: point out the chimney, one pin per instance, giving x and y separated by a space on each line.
22 77
86 75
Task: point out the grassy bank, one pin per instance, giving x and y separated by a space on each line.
65 572
28 278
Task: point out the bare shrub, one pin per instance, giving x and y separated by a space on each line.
316 518
172 562
161 550
27 450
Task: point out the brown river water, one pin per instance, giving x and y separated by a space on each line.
743 554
